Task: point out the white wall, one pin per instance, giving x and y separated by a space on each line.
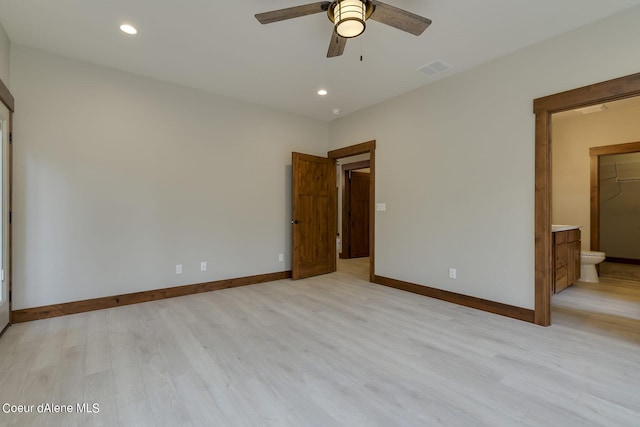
4 56
573 135
455 162
118 178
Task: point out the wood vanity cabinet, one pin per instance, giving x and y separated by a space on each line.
566 259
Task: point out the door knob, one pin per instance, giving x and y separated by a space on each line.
295 221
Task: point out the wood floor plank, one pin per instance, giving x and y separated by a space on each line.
332 350
98 350
99 390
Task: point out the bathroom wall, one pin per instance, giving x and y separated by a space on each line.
573 134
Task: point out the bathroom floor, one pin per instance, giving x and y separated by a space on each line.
620 271
611 306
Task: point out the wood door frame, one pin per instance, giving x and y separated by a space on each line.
595 153
543 108
364 148
346 194
7 99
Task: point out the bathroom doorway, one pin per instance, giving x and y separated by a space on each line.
593 95
595 177
595 170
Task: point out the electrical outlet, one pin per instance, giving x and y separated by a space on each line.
203 266
452 273
178 268
281 258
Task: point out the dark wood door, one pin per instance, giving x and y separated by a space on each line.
359 214
314 209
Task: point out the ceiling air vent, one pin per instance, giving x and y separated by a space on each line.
436 67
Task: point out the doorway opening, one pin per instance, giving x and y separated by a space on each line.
356 211
615 203
596 186
354 181
6 115
5 309
314 211
612 90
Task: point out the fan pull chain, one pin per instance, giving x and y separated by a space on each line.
361 47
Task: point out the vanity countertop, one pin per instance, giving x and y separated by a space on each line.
556 227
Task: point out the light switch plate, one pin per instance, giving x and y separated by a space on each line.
381 207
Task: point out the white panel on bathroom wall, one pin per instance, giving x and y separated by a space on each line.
455 160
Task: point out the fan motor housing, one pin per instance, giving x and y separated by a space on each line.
369 7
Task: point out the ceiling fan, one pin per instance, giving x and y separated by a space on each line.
349 18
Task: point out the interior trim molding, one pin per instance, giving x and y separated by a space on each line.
543 108
352 150
606 150
6 97
55 310
511 311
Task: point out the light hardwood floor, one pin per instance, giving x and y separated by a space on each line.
356 267
620 271
327 351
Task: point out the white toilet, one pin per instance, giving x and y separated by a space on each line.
588 262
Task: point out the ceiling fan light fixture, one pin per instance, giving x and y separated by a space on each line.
349 17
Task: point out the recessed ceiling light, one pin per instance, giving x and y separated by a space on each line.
129 29
322 92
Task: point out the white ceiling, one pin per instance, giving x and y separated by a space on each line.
219 47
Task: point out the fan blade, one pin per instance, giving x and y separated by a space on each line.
400 19
292 12
336 46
